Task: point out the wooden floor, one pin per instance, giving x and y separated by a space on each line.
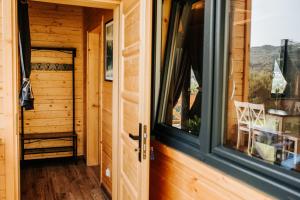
60 180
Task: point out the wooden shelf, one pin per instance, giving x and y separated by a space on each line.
34 136
48 150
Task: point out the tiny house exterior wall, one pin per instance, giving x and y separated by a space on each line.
175 175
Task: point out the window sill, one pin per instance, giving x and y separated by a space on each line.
176 141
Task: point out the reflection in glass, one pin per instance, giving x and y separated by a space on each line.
263 111
180 103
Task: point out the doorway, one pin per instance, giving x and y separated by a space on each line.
134 30
80 28
99 96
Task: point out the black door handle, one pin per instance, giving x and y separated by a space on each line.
139 138
134 137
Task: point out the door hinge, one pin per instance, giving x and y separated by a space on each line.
145 142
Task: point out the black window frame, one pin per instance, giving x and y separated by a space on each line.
170 135
272 179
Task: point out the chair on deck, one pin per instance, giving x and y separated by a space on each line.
244 122
257 114
258 119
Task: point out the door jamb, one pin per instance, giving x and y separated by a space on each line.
10 80
115 104
93 160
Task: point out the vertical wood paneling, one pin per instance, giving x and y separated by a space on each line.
106 129
94 18
92 98
53 25
239 76
106 119
2 162
8 95
134 96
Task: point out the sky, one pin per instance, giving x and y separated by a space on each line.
273 20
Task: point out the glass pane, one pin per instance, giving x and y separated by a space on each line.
263 111
181 96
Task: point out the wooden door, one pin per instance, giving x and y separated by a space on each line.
134 99
93 83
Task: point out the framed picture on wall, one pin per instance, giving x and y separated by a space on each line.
108 52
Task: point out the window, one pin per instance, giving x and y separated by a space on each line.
263 110
182 70
255 134
227 87
182 81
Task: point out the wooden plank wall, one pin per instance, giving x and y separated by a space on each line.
92 97
53 101
94 18
106 128
2 162
176 176
106 122
54 25
238 61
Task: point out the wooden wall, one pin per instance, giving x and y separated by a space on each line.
2 162
106 129
106 123
53 101
94 18
175 175
238 61
54 25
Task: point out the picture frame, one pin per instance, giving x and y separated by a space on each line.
108 51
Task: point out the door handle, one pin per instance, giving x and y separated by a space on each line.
139 138
134 137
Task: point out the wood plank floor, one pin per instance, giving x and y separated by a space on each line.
60 180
